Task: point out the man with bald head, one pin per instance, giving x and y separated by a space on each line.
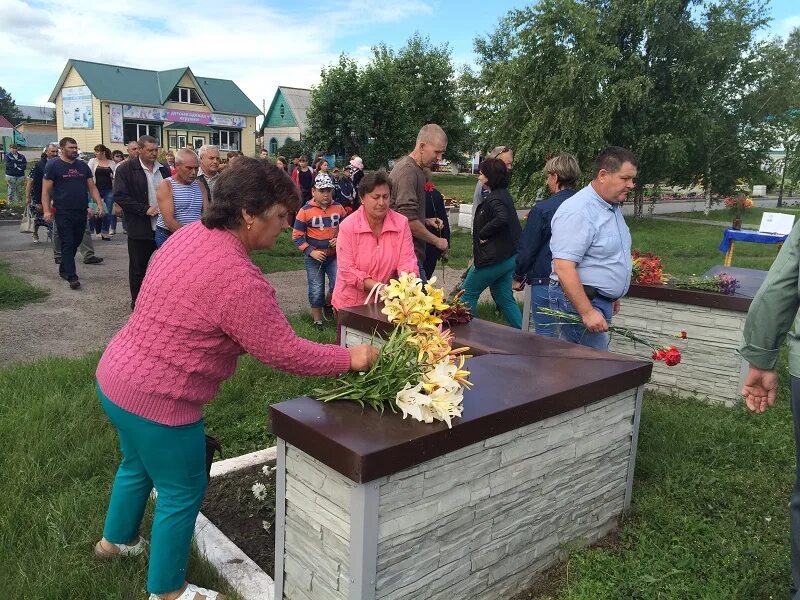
408 189
181 198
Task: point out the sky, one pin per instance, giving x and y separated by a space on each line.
259 44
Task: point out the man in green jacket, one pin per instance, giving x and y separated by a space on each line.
773 314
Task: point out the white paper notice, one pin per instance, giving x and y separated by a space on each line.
776 223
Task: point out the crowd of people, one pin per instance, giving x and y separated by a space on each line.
191 224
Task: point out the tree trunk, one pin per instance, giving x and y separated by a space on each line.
638 203
707 190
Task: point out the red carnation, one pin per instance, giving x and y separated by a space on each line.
429 186
672 357
683 335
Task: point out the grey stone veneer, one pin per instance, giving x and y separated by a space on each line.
479 522
710 368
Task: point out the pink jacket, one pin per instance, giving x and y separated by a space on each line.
361 256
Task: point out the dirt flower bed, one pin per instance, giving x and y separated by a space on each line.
248 522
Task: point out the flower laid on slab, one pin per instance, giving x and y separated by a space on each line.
721 284
669 354
646 269
418 371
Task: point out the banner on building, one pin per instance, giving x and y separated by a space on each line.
76 108
115 116
191 117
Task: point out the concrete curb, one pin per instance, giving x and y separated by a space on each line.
238 569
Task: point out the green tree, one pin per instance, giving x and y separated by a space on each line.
682 83
293 148
376 111
8 108
335 119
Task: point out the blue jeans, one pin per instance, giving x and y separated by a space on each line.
497 278
161 236
540 298
577 333
109 219
316 272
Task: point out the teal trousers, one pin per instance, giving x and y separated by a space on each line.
497 278
171 460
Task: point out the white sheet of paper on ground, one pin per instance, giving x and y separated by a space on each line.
776 223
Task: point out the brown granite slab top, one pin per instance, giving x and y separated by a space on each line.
519 378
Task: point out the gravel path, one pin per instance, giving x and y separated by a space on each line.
73 323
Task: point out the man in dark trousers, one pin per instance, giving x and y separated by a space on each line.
135 185
67 184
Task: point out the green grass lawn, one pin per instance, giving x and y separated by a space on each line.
692 249
709 505
751 216
460 187
16 292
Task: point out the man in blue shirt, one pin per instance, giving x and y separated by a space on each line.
67 184
16 164
591 247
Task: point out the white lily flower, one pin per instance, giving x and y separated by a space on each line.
446 403
412 402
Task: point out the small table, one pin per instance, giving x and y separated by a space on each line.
731 236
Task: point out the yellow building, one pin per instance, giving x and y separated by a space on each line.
113 105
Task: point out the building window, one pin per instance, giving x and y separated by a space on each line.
185 96
176 142
273 146
287 140
226 139
283 111
133 130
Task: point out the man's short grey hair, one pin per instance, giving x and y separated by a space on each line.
184 154
134 143
146 139
430 134
53 144
205 148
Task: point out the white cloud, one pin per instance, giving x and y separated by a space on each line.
251 42
783 27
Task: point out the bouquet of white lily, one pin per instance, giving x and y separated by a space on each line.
418 370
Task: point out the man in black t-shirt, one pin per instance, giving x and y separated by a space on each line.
67 184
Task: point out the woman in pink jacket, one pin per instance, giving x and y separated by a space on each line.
374 244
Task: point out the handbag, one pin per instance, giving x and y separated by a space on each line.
28 224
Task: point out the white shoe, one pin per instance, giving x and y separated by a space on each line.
192 592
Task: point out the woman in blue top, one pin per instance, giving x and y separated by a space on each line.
181 198
534 261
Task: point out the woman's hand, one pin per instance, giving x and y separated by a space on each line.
362 357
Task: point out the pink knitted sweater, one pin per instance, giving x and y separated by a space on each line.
202 304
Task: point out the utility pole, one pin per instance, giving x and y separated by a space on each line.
783 174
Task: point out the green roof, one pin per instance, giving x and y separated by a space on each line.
189 127
127 85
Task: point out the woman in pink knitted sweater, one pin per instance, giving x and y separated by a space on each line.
203 303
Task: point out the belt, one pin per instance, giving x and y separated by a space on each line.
538 281
591 292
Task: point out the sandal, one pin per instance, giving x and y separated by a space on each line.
192 592
105 549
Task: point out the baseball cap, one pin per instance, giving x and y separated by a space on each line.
323 181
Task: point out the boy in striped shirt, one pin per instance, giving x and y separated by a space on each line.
315 229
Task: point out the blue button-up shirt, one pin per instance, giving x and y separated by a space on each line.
592 233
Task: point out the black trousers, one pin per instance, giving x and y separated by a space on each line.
139 253
70 224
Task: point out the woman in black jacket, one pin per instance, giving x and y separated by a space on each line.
495 235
